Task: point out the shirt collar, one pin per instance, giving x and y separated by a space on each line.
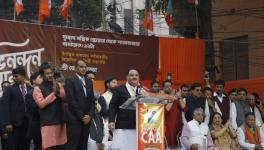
223 95
81 78
130 86
196 122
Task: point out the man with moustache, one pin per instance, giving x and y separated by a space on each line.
49 97
122 120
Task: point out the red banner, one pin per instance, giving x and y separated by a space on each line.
108 54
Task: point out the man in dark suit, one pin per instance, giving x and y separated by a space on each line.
122 120
15 118
3 134
81 107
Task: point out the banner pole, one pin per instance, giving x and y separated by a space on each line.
14 12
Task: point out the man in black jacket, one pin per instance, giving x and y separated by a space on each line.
81 107
122 120
5 142
15 118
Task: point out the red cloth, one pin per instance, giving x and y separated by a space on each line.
173 123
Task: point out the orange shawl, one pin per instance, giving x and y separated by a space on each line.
250 136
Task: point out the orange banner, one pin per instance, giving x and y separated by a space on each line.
150 126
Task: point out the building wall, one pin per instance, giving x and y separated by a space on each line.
160 26
238 24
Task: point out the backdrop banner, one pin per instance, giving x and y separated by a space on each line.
107 54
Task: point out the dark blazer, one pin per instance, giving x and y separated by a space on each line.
34 119
79 104
1 113
13 106
125 119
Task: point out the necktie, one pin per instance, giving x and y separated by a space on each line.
84 86
24 92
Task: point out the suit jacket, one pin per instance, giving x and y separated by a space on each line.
79 104
34 118
1 123
125 119
13 106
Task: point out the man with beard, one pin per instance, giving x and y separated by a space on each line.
49 96
249 135
104 100
122 120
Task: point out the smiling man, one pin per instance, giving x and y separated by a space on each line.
122 120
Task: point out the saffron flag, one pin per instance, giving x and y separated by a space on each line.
169 14
150 126
44 10
64 11
148 18
19 7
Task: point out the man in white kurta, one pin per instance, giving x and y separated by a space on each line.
196 134
256 142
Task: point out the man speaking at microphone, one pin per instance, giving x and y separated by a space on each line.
123 120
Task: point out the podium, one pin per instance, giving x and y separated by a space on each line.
149 121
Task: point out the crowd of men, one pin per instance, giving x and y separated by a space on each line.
53 113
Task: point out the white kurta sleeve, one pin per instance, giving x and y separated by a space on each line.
261 136
233 116
241 140
207 113
184 121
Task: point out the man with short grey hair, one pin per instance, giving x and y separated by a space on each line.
196 134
